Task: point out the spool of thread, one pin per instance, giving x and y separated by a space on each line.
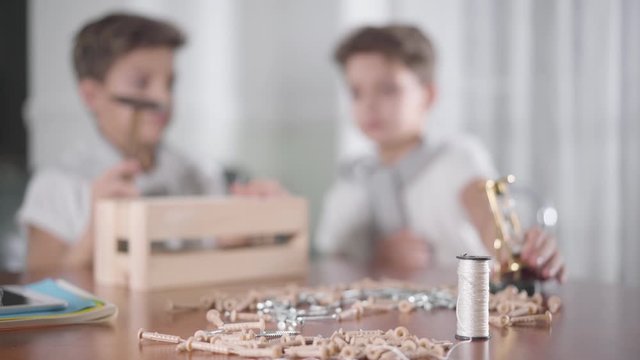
472 309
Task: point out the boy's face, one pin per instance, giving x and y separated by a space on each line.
388 101
145 73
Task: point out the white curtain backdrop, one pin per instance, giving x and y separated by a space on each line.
551 87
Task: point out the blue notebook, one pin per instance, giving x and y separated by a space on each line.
82 307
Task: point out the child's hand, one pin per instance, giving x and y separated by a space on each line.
403 250
117 182
258 188
540 252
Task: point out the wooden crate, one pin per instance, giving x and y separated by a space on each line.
143 221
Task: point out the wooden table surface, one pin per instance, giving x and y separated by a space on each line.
597 321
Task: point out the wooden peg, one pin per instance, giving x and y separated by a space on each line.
406 307
191 345
372 307
237 335
308 351
287 341
499 321
554 303
401 332
374 352
364 333
360 341
507 293
408 345
260 325
446 344
245 303
204 335
524 309
350 353
390 355
319 340
230 304
155 336
425 343
507 306
173 307
532 320
246 316
251 344
350 314
339 341
271 352
537 299
213 316
523 295
207 302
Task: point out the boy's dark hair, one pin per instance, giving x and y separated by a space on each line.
100 43
404 43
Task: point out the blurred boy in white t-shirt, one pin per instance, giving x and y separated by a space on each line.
125 71
418 200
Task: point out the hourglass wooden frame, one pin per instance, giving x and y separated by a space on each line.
509 234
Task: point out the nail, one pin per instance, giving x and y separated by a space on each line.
277 334
303 318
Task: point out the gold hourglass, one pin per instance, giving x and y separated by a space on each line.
508 269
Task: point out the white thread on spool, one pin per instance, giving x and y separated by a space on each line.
472 308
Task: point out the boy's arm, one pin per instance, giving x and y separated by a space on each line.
404 251
43 215
47 251
477 207
345 225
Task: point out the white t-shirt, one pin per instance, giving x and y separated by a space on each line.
58 198
422 192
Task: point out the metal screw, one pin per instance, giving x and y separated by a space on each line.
303 319
277 334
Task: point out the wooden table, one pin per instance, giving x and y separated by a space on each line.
597 321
